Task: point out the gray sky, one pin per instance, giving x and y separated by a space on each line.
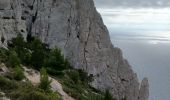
146 17
132 3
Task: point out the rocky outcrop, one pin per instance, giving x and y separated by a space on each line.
78 30
4 70
34 77
144 90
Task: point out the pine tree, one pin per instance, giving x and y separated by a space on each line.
56 62
38 54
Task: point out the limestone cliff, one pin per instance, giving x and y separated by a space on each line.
77 28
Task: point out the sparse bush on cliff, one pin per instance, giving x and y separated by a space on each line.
36 54
18 45
44 80
17 42
55 62
26 91
3 55
27 57
18 73
84 77
6 84
74 76
13 59
108 96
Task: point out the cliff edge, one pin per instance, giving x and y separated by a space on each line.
78 30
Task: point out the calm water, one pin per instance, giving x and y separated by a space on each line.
149 58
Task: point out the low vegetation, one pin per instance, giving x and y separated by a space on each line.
37 55
44 81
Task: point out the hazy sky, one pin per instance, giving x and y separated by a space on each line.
132 3
142 18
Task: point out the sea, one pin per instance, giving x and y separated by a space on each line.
148 58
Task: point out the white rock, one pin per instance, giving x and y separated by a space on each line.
3 69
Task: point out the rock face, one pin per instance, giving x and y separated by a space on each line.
3 70
144 91
78 30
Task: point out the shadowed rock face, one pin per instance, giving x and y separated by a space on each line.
77 28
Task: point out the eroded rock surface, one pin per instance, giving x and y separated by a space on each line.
78 30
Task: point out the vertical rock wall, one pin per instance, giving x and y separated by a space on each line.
77 28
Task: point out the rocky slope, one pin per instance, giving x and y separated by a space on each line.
34 77
78 30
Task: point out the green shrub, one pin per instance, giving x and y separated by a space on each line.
18 44
84 76
38 95
108 96
3 55
18 73
74 75
33 95
27 57
13 59
19 41
38 54
94 96
72 92
6 84
54 96
44 80
27 91
54 72
55 63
